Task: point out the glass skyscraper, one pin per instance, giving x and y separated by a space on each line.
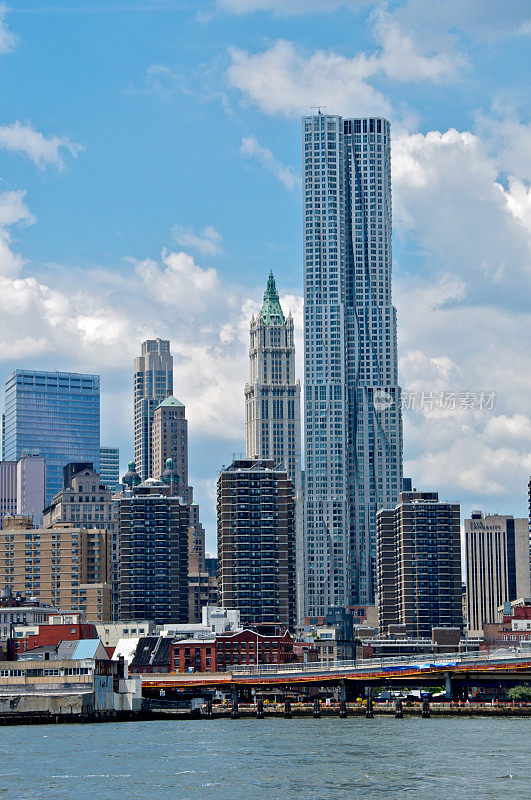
56 414
110 468
353 424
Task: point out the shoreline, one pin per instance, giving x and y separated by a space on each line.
249 712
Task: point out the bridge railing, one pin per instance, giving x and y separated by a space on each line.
370 664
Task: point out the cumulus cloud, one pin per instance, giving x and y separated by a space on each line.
250 148
40 149
286 80
448 198
207 242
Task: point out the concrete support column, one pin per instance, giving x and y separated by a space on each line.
448 686
234 713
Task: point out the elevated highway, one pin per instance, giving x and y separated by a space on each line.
455 672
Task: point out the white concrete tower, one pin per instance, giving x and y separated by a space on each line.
272 406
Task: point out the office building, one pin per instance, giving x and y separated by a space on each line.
419 564
272 407
23 487
497 566
85 501
153 544
65 565
8 488
54 414
353 426
152 383
256 542
110 468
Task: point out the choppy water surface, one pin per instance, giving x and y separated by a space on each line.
325 759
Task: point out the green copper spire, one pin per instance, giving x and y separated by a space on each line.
271 311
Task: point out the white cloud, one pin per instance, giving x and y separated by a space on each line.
250 148
483 19
8 40
40 149
470 465
285 80
448 199
402 58
207 242
13 210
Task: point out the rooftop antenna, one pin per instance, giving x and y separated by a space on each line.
319 109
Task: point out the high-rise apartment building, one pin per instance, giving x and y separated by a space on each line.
419 564
110 468
152 383
153 531
56 414
256 542
85 501
497 566
272 406
353 425
64 565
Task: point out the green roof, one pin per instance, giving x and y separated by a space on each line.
271 311
171 401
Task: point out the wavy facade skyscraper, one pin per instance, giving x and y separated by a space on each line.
353 424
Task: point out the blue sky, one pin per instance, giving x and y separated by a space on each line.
149 179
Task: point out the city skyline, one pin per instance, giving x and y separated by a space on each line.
80 301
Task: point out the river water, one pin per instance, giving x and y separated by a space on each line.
276 759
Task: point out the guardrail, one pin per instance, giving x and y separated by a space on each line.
435 659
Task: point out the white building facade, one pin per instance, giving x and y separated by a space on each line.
497 566
353 424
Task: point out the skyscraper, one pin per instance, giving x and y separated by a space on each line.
497 566
419 564
272 405
256 542
152 382
153 530
353 425
54 414
170 440
110 468
23 487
